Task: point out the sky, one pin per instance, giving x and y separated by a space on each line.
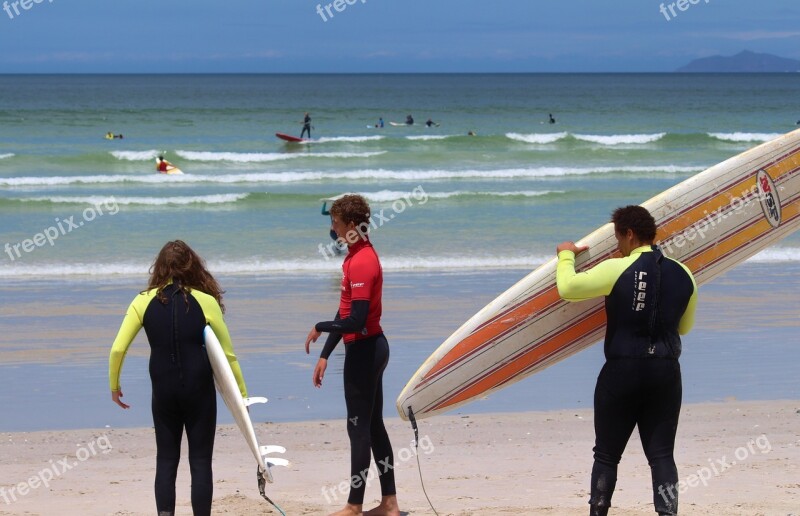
364 36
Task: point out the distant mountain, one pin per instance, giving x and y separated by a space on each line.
744 61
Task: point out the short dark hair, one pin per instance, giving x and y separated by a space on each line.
351 208
637 219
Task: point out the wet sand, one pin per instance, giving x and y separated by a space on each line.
735 458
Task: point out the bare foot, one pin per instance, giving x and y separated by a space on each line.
349 510
387 507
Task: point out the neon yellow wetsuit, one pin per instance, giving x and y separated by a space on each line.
629 317
183 384
650 301
135 319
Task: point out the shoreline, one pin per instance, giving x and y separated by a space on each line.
734 458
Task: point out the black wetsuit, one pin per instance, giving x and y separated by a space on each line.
183 385
306 126
650 299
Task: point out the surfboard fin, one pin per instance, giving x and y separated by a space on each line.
254 400
272 461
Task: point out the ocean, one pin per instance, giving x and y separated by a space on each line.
457 218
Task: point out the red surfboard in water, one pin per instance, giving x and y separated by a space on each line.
290 138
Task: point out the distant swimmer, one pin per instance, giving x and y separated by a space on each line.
431 123
409 120
472 133
552 120
380 122
112 136
163 166
306 125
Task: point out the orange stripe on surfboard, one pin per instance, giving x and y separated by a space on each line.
528 359
723 199
492 331
739 239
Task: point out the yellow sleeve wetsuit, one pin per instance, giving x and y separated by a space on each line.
650 300
190 316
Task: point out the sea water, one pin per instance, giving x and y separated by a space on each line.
458 217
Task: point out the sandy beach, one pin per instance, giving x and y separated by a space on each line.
734 458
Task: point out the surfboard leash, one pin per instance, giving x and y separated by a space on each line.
262 486
419 466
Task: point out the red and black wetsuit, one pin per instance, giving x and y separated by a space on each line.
366 355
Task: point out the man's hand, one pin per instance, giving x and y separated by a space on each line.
319 372
313 335
570 246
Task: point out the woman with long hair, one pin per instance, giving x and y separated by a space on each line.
181 298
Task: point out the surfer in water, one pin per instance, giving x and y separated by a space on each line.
366 357
649 302
163 166
181 298
409 120
551 120
306 125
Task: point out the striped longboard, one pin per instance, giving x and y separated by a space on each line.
711 222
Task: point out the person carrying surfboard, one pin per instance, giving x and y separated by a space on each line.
366 357
649 302
181 298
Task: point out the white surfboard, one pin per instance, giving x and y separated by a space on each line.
229 391
711 222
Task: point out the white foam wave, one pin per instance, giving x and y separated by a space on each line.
366 174
620 139
392 195
777 254
317 264
147 155
429 137
537 137
145 201
353 139
257 157
745 137
5 156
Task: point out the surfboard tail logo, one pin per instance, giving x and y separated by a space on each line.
768 196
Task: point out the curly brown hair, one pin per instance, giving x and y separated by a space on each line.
180 263
637 219
351 208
